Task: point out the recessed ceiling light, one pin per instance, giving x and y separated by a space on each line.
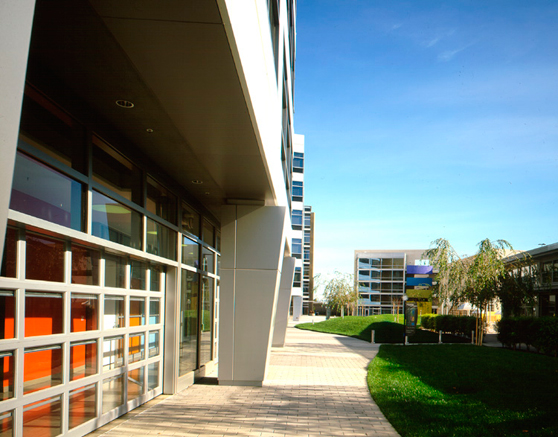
207 193
197 182
124 104
149 131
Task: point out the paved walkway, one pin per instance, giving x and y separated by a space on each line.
316 386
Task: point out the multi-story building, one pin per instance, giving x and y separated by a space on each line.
308 262
383 277
145 201
297 219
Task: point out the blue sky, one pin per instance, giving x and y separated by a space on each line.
427 119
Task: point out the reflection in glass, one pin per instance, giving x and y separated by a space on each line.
137 311
85 266
44 258
8 269
136 347
42 368
113 393
84 312
83 359
43 313
7 369
190 252
138 271
160 240
44 415
206 319
188 322
115 222
190 220
153 344
208 233
161 201
154 309
115 271
208 260
82 405
155 278
153 376
7 424
135 383
45 193
114 312
7 314
113 353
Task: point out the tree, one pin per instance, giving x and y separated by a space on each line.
519 285
339 293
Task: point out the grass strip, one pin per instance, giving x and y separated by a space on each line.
465 390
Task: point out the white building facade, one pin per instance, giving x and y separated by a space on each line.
145 203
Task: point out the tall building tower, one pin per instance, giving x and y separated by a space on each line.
297 219
308 262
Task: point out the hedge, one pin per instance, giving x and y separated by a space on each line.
462 325
538 332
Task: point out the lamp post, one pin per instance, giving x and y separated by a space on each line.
404 298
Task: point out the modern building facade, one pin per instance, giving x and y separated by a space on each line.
383 277
297 218
308 262
145 201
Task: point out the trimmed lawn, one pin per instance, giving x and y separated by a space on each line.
387 330
465 390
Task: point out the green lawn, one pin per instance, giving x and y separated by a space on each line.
385 327
464 390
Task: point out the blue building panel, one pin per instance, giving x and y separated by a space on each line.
419 270
419 281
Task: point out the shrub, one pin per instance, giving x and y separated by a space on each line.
447 323
541 332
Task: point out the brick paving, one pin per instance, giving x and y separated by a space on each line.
316 386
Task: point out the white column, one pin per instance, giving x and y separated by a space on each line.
16 20
252 240
282 313
297 308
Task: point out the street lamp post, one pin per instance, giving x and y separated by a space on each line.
405 297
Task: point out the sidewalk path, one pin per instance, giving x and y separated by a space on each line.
316 386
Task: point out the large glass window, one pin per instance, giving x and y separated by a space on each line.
190 220
115 222
83 359
84 312
136 347
208 233
85 265
7 424
154 311
188 322
7 314
135 383
138 271
114 312
43 313
153 376
155 278
115 172
161 201
83 406
190 252
8 269
7 370
297 218
206 322
137 311
297 247
154 338
113 353
208 260
115 271
44 259
42 368
43 192
160 240
113 393
44 415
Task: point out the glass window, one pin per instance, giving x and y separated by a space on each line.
154 338
297 217
115 222
218 240
208 260
297 188
363 275
7 363
386 275
387 262
85 265
42 368
84 312
160 240
53 131
398 275
208 233
154 311
115 172
190 253
297 246
135 383
113 393
398 262
375 262
10 254
83 359
82 405
375 286
375 274
153 376
7 424
190 220
155 278
45 193
161 201
44 259
44 415
7 314
188 322
137 311
136 347
206 324
114 312
43 313
138 272
113 353
115 271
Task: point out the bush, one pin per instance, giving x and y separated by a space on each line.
462 325
541 333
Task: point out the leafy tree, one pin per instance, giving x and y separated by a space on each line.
340 294
519 286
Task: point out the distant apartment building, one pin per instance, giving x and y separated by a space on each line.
308 262
383 277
